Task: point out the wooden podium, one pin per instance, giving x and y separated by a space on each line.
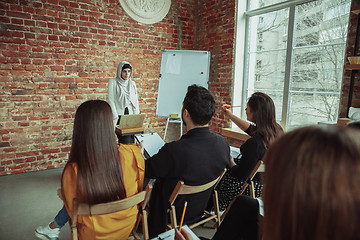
129 131
130 124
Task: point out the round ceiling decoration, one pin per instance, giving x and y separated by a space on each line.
146 11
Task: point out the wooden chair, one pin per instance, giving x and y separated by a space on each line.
140 199
259 168
182 189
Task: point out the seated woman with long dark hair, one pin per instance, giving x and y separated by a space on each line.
95 173
98 171
260 111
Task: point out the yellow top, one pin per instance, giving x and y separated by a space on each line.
116 225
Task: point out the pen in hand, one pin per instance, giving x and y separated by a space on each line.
182 216
226 106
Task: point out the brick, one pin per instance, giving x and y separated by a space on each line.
64 3
19 118
5 163
19 15
30 159
49 151
18 161
28 9
26 154
8 150
56 68
17 167
17 21
30 36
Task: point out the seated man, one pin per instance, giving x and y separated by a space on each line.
197 158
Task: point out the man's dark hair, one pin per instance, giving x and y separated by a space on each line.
200 103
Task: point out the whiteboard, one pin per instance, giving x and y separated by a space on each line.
180 69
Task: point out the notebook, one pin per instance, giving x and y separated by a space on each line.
170 235
152 142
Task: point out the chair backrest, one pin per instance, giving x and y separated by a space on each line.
140 199
182 189
259 168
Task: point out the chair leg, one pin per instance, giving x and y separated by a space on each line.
216 209
145 225
73 220
252 189
136 226
74 233
173 217
136 236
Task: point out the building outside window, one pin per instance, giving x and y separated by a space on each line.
294 52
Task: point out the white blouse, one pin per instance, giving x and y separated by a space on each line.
122 93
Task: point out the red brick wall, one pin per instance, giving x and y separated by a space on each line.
215 31
55 54
355 4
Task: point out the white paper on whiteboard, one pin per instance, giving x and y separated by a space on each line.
173 64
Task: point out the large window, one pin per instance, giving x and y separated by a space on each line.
294 52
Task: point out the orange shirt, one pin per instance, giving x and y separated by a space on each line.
116 225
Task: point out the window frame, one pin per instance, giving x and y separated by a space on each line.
242 56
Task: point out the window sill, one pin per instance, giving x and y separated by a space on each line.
235 133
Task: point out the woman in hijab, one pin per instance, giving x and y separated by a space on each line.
123 97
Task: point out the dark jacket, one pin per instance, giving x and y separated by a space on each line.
197 158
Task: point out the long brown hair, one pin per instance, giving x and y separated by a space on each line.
94 150
263 110
311 187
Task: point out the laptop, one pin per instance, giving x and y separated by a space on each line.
130 121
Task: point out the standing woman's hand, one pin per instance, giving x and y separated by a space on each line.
242 124
226 109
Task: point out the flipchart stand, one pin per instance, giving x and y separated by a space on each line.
173 120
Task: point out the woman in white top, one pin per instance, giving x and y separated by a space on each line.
123 97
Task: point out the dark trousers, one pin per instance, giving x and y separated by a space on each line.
241 221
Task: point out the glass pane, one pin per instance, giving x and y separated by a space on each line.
267 57
311 108
318 69
322 22
318 59
254 4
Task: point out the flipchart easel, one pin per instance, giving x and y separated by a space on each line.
173 120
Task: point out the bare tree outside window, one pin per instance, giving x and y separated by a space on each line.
320 31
